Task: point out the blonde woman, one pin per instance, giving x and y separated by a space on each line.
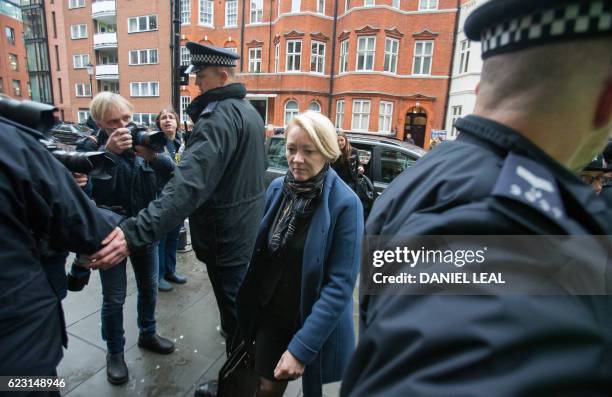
296 301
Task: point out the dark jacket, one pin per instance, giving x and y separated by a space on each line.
484 345
347 170
219 182
134 182
41 208
326 336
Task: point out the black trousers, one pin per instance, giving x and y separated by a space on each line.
225 282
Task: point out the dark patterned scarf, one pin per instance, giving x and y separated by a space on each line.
299 201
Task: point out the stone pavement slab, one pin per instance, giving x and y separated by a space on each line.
187 315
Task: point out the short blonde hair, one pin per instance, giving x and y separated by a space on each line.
321 131
104 101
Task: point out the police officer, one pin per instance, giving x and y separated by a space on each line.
42 210
219 182
543 111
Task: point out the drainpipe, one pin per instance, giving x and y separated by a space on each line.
333 60
175 46
452 65
242 38
270 39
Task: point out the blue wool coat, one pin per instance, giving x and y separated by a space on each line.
326 338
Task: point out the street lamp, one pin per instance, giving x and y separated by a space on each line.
90 72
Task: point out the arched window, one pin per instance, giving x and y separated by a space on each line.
314 105
291 110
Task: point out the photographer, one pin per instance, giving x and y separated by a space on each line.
135 181
42 210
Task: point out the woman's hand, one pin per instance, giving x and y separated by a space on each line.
288 367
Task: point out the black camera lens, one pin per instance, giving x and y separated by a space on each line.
154 140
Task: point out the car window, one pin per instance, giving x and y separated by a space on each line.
392 163
276 154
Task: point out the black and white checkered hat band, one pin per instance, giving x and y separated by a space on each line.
212 60
574 20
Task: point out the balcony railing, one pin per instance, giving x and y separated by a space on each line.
105 40
103 9
107 72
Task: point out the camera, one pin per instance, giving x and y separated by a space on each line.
32 117
154 140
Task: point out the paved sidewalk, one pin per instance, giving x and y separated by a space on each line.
188 315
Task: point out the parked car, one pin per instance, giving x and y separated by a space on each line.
382 158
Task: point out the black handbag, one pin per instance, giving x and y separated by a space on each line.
237 377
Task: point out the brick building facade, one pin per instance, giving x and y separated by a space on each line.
375 66
125 43
13 61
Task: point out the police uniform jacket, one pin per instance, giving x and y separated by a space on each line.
219 182
41 208
493 345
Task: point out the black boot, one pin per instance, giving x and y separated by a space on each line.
116 369
208 389
156 343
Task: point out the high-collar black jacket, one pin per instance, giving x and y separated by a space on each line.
490 181
219 182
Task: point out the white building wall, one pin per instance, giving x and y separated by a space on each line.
463 84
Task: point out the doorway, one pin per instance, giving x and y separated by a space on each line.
415 125
261 105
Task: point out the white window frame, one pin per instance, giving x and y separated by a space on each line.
339 113
362 117
276 57
202 12
185 12
147 23
84 88
231 13
81 31
317 57
314 106
366 53
428 5
255 60
185 56
457 112
422 56
395 4
290 112
80 61
385 116
321 6
296 6
369 3
139 56
82 116
139 117
256 11
344 51
391 55
464 56
151 87
76 4
185 102
293 55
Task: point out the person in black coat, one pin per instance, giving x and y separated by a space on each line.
347 165
512 171
219 182
42 211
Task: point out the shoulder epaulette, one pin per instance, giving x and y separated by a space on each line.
209 109
522 179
